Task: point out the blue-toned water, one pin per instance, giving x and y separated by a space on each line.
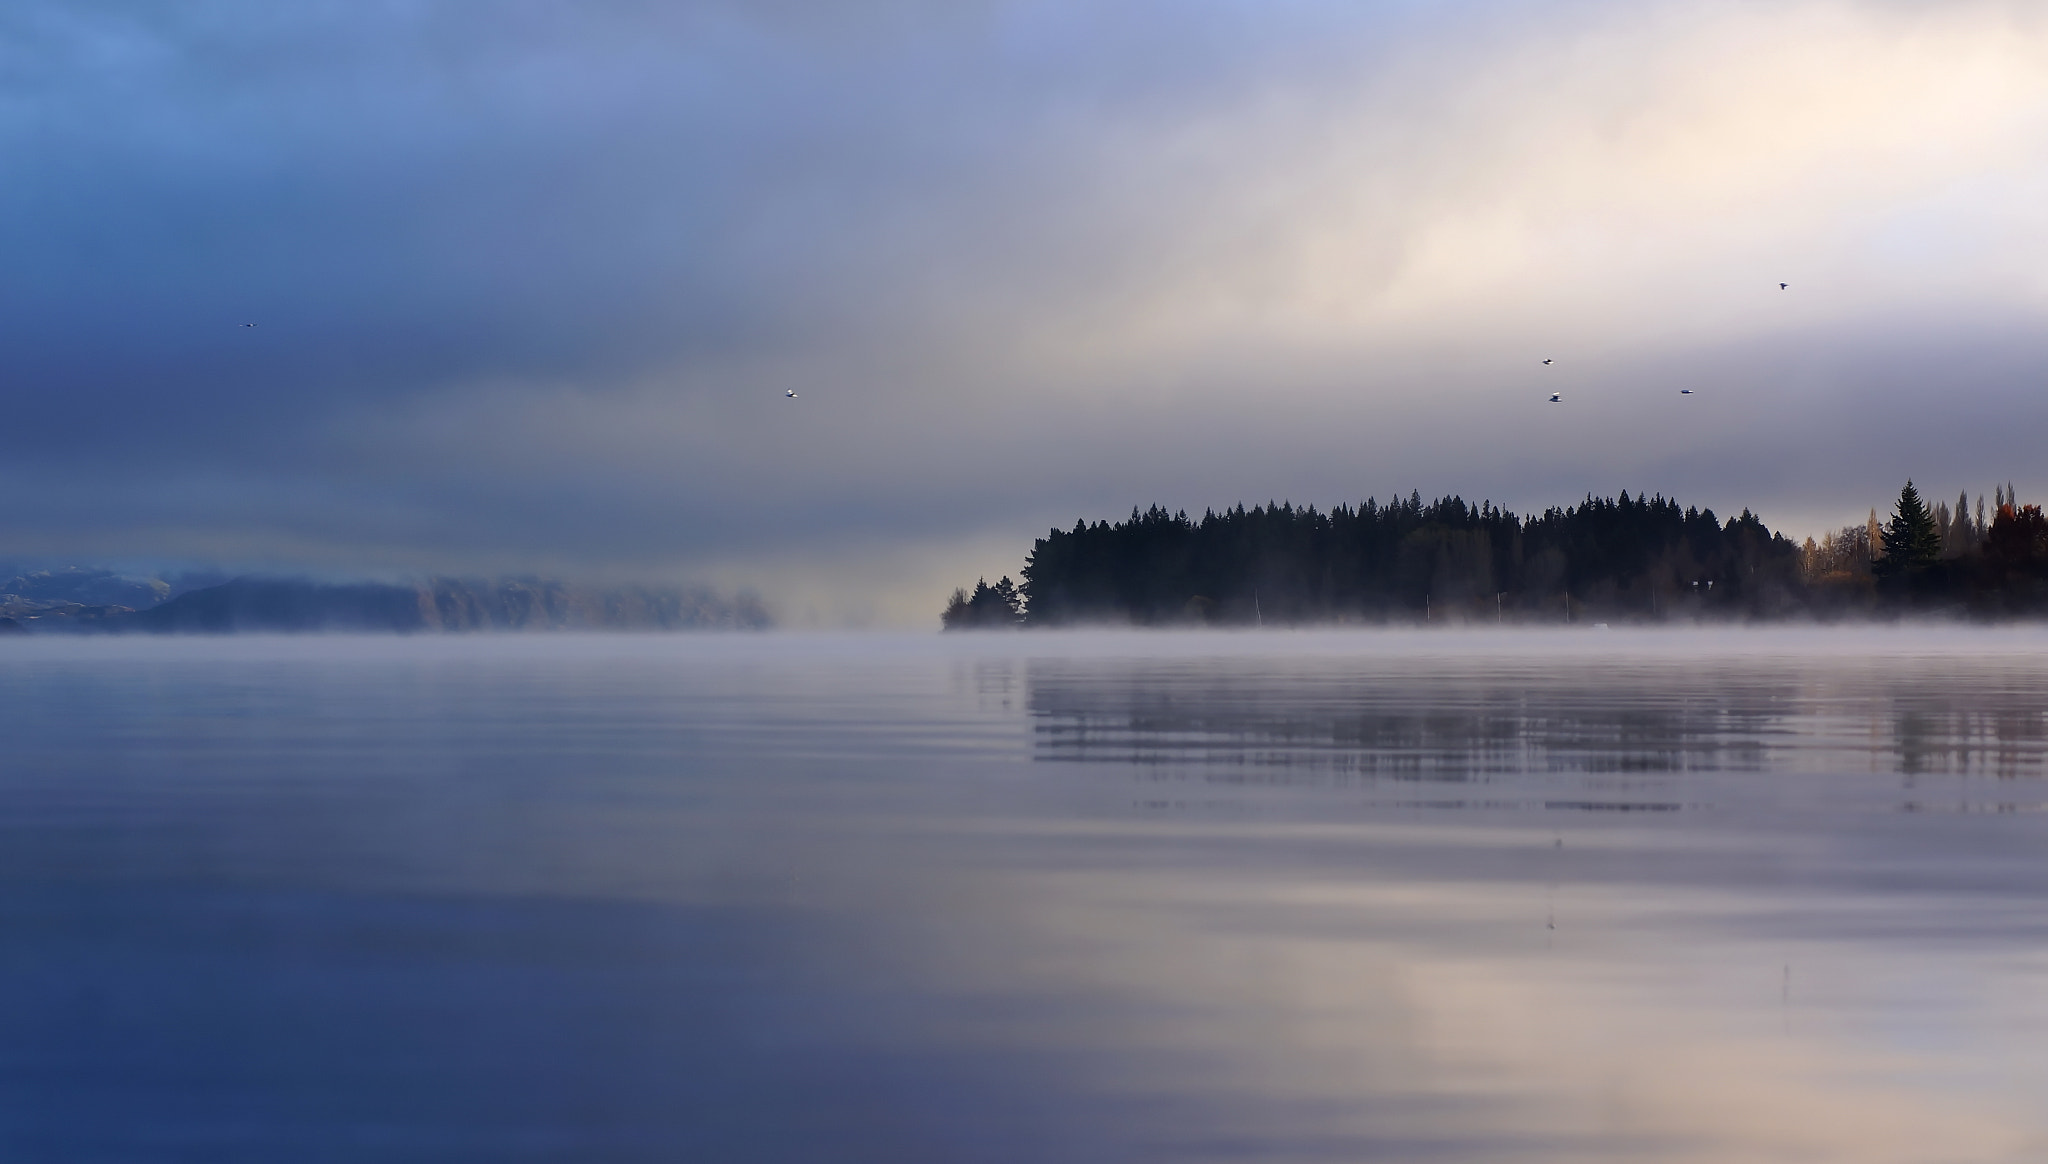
1646 896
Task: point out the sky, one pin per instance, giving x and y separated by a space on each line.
530 280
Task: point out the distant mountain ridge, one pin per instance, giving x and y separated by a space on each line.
437 605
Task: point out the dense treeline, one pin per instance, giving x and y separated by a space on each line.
1937 559
1623 558
1443 559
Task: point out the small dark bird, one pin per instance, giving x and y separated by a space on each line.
791 394
1546 362
1685 391
248 325
1782 286
1556 397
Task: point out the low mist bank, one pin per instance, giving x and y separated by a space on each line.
52 601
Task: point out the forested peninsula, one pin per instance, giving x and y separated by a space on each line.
1620 559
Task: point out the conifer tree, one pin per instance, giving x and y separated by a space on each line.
1911 542
989 607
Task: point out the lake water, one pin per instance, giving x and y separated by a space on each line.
1759 895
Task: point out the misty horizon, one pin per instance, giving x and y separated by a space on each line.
176 578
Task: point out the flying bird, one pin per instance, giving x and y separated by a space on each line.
248 325
1782 286
1546 362
1556 397
1685 391
791 393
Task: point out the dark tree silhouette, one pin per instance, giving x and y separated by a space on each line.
1912 543
1635 558
2014 569
2019 537
1445 559
988 608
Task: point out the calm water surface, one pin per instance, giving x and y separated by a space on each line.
1643 896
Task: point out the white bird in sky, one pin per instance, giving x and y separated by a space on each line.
791 393
1557 397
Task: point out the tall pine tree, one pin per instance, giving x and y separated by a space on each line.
1911 541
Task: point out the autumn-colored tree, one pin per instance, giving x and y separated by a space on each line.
2018 538
1843 555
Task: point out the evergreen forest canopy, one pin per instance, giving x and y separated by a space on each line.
1620 559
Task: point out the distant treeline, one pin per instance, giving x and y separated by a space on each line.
1610 559
54 601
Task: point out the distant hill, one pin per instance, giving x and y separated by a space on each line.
85 587
77 597
294 605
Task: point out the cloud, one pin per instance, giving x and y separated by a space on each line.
529 281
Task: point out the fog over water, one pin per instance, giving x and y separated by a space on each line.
1520 896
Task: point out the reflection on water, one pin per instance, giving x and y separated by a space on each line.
1468 720
1518 897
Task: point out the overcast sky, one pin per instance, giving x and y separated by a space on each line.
529 280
